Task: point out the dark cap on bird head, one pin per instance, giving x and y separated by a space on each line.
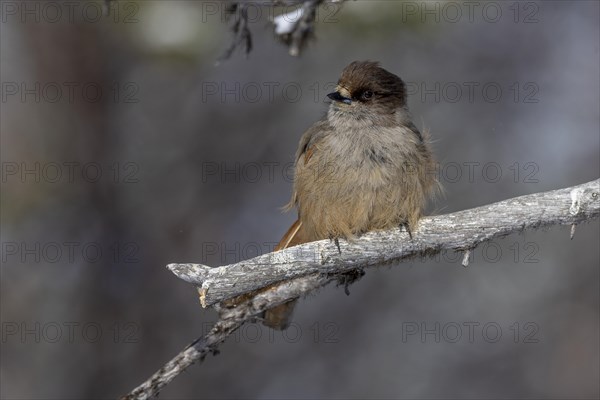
367 83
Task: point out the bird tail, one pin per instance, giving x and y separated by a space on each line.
292 237
280 317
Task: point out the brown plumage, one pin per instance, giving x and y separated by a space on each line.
364 167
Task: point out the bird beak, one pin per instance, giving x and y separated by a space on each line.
336 96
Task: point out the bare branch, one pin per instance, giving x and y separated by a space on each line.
230 319
241 33
297 27
461 231
302 269
294 28
194 352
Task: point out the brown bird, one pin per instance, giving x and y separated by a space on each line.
363 167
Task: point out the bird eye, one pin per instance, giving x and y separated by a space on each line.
367 94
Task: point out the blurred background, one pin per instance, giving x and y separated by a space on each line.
124 148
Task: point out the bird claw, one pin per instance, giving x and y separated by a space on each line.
407 228
337 244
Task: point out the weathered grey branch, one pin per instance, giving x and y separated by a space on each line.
458 231
301 269
230 319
